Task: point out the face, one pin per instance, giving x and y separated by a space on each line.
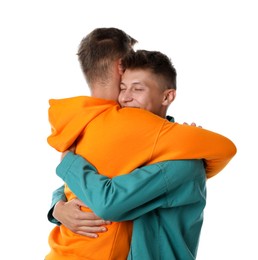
140 89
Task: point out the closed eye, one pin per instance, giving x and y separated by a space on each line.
122 86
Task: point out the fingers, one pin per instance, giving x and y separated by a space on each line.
63 154
94 221
92 232
79 203
89 228
192 124
72 148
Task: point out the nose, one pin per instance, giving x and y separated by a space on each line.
126 96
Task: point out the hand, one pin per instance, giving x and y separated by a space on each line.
71 149
80 222
192 124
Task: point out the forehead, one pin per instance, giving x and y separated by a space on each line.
138 75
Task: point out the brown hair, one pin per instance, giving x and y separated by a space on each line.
155 61
99 49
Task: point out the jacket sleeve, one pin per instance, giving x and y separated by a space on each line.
127 196
57 195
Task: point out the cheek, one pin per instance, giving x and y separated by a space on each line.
119 99
146 102
154 103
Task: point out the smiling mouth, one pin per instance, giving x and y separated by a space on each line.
131 106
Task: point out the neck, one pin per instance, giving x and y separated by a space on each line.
107 88
104 92
163 113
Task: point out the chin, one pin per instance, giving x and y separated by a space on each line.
133 106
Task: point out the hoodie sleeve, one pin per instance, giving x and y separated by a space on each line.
68 118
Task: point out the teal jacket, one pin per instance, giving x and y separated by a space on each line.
165 200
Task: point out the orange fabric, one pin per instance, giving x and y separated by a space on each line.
116 141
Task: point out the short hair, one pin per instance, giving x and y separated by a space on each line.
100 48
155 61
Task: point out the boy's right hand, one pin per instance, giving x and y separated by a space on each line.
80 222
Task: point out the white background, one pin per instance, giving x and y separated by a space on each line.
213 45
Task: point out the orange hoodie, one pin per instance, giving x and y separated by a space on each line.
116 141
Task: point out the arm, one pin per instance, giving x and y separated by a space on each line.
194 143
126 196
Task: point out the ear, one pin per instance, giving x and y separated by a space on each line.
169 97
120 67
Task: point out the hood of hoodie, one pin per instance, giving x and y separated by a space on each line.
68 118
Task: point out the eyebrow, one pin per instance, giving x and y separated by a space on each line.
134 83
